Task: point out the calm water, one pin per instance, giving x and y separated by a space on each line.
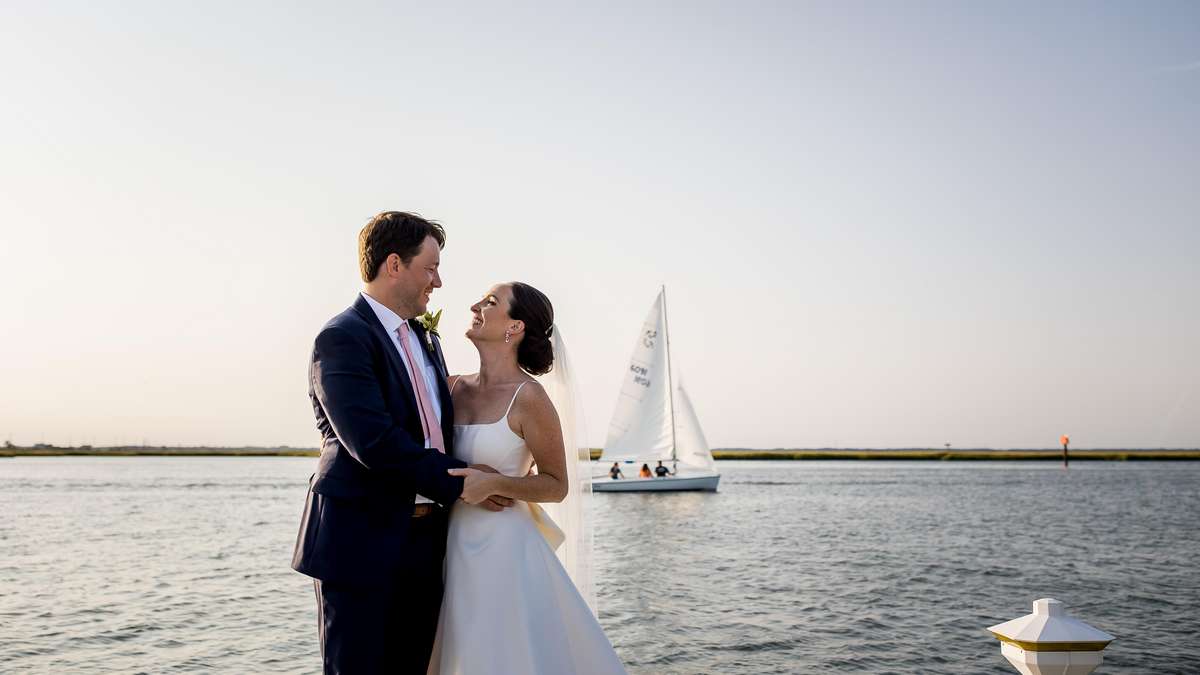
123 565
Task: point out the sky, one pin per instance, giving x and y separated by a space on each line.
878 224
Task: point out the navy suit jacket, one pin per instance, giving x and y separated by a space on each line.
373 455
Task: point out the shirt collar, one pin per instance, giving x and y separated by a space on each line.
391 321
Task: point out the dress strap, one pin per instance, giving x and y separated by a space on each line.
454 383
514 398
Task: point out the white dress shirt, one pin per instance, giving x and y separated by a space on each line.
391 323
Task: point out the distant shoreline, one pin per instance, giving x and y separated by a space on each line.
961 455
982 454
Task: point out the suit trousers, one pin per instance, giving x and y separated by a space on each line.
368 630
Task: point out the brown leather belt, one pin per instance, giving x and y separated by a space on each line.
423 509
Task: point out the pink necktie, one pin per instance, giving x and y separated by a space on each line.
416 375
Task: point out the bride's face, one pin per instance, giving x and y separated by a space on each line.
489 316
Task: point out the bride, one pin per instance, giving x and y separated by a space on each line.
512 605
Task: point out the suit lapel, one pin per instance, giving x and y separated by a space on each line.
439 362
441 358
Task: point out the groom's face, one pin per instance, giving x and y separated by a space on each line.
415 283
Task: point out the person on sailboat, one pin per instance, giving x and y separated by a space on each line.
615 471
662 471
645 472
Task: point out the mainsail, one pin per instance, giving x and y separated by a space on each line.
654 419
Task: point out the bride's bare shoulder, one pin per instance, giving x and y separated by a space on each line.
532 398
534 418
467 379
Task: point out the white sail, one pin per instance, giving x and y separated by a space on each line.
641 424
691 448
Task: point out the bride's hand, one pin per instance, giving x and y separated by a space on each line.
477 485
495 502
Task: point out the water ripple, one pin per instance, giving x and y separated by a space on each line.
158 565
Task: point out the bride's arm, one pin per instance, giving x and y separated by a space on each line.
534 415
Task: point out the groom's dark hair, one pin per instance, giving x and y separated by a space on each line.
396 232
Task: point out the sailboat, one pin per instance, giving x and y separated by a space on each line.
654 421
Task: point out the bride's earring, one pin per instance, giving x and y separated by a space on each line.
507 337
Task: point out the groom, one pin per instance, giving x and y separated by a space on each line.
373 533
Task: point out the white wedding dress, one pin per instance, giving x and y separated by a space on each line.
510 606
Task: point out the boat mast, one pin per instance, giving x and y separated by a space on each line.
670 384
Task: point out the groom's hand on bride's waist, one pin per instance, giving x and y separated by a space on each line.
477 488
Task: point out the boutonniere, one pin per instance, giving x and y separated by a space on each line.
430 323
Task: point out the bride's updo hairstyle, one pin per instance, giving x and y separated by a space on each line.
535 354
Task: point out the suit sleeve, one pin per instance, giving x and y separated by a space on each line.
348 391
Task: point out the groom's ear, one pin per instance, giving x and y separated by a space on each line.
392 264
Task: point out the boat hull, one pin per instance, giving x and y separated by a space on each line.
667 484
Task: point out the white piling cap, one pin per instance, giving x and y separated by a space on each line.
1050 629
